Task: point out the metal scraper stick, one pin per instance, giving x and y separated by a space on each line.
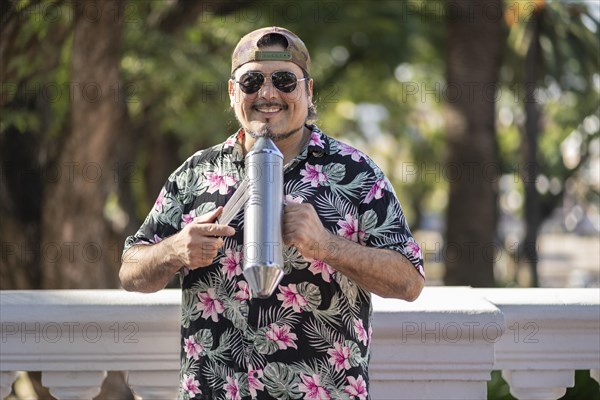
235 204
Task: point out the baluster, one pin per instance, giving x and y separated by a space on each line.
6 381
68 385
539 384
595 374
149 385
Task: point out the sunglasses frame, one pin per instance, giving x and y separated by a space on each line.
264 80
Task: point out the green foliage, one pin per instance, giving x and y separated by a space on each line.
379 72
497 388
567 95
585 387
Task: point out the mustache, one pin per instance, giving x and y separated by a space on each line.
269 104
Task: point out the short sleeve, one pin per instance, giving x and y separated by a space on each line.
384 224
163 220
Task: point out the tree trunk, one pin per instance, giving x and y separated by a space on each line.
20 207
76 251
475 40
23 153
527 256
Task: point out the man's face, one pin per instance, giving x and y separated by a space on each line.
271 112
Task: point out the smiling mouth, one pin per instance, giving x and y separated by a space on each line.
269 107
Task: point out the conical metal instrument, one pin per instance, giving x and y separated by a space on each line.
263 243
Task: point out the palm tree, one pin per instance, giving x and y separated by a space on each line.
568 58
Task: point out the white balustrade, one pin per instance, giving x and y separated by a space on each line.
549 334
157 385
442 346
73 385
74 336
6 380
438 347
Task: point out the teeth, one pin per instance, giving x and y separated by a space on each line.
269 109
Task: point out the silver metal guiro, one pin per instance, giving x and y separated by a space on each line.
263 243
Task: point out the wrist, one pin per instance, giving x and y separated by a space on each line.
330 247
168 249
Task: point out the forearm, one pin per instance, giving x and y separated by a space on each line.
386 273
148 268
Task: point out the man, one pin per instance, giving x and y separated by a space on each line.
343 228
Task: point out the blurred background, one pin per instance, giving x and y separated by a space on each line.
484 115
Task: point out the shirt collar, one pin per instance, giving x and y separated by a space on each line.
318 144
233 145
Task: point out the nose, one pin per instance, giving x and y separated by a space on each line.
267 90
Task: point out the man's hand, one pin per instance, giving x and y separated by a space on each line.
384 272
303 229
197 244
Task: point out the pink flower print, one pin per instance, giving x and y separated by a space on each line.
361 332
190 386
356 387
231 264
346 150
376 191
244 292
370 333
413 249
232 389
311 386
340 356
188 218
231 141
210 305
282 336
314 175
291 298
219 181
254 383
349 229
158 203
421 270
321 267
156 239
192 349
315 140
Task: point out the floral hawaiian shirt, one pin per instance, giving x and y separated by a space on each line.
311 338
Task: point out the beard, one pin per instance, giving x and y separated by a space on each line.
267 132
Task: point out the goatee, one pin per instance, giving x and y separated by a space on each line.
267 132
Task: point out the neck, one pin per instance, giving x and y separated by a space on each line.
290 147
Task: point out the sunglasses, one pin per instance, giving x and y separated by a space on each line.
284 81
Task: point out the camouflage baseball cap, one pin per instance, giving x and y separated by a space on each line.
247 49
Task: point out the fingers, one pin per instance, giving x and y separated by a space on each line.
209 247
291 207
303 229
212 230
204 224
296 213
209 217
202 253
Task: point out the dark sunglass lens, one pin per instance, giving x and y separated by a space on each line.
251 82
284 81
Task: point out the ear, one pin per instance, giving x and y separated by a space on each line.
310 91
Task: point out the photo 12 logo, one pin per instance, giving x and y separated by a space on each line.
53 332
